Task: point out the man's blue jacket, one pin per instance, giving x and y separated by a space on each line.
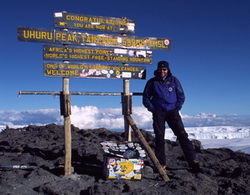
163 93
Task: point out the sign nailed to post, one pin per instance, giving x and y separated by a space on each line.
78 38
93 23
93 71
69 53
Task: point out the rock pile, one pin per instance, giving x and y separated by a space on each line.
38 155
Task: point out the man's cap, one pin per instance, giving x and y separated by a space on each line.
163 64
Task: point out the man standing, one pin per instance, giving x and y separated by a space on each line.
163 96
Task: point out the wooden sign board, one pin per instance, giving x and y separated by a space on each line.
70 53
93 23
82 70
79 38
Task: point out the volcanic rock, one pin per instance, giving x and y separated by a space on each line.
32 163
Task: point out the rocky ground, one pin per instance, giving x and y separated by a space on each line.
38 155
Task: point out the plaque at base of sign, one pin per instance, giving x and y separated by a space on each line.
122 168
123 160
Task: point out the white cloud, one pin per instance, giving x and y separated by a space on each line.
209 128
29 117
90 117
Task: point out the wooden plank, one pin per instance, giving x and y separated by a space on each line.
93 23
67 128
87 39
74 53
126 108
83 70
57 93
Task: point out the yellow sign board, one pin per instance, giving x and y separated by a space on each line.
93 23
72 53
87 39
82 70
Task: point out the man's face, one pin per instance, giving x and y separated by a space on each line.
163 72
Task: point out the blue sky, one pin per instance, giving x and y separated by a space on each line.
209 55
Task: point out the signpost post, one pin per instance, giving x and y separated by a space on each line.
126 107
67 125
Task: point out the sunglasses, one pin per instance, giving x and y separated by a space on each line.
162 69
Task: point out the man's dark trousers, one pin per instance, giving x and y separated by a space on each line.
174 121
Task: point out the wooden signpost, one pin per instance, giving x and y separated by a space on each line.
66 112
126 49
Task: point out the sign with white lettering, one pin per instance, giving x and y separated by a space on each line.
79 70
104 40
93 23
70 53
